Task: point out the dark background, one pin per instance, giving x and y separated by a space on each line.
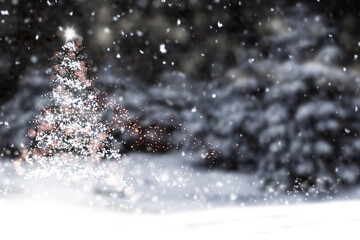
143 25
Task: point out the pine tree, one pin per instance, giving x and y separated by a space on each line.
70 125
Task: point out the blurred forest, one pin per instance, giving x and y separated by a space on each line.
266 87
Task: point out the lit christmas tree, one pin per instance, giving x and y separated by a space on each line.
70 125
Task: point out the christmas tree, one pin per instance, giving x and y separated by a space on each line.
70 125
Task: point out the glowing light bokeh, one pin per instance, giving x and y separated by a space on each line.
70 34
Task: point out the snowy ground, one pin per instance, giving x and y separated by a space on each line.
37 219
168 201
157 183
